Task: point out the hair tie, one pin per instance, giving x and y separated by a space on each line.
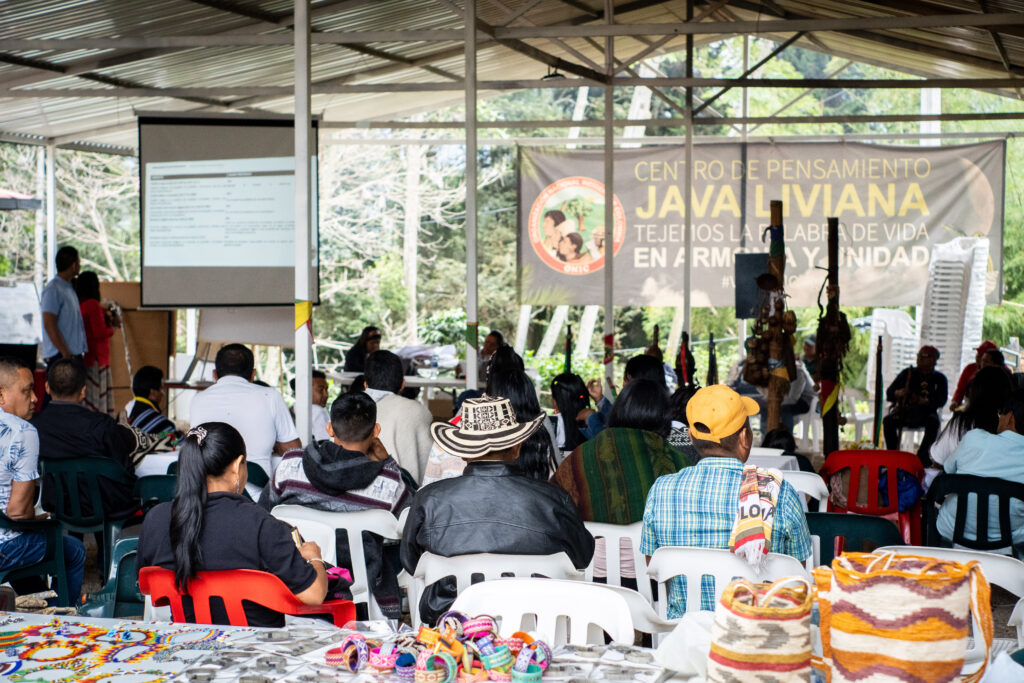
198 432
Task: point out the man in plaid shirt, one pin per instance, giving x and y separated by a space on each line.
698 505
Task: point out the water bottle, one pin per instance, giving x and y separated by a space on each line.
432 372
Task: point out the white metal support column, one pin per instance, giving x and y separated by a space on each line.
688 183
39 267
51 211
472 323
609 188
303 300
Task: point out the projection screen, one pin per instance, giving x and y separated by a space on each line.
217 203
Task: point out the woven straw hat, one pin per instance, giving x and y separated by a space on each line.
488 424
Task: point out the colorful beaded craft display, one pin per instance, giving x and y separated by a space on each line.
459 649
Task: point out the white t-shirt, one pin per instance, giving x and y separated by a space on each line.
258 413
318 423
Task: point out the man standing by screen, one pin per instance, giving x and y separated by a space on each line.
63 329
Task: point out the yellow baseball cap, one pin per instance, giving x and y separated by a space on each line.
717 411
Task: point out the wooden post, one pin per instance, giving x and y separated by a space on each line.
830 362
778 375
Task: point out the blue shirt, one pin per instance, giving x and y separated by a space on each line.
19 455
986 455
697 507
60 299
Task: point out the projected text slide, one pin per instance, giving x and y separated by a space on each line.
220 213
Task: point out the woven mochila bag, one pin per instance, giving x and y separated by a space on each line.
900 617
762 632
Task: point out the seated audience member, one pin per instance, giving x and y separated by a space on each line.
349 472
986 395
798 399
701 506
967 374
783 438
492 342
810 358
404 423
210 526
647 365
19 458
319 417
258 413
984 454
679 430
368 342
69 431
492 507
575 421
917 394
506 377
144 413
608 477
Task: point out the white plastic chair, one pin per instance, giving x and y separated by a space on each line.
848 404
761 450
645 619
319 526
432 568
1002 570
613 535
695 563
561 612
809 484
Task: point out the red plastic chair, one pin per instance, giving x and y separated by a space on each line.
232 587
909 521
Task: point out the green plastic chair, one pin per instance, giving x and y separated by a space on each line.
853 529
154 489
257 476
64 476
52 563
120 596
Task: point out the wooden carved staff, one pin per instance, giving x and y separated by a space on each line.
832 343
770 359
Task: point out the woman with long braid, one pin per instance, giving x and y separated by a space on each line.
210 525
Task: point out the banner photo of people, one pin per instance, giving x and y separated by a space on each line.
894 203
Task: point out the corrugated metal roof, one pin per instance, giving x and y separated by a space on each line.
943 52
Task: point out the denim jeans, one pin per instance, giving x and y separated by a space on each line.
28 548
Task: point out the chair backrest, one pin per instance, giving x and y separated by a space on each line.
1002 570
852 530
256 474
562 612
761 450
872 461
321 527
231 587
809 484
154 489
723 566
613 535
65 475
974 493
432 568
124 571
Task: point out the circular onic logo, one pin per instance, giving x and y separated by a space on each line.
566 225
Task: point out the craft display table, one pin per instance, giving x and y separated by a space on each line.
43 649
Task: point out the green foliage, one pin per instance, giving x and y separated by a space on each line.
554 365
444 327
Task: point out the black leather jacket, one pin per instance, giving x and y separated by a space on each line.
491 508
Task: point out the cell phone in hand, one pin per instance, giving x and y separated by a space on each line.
297 538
